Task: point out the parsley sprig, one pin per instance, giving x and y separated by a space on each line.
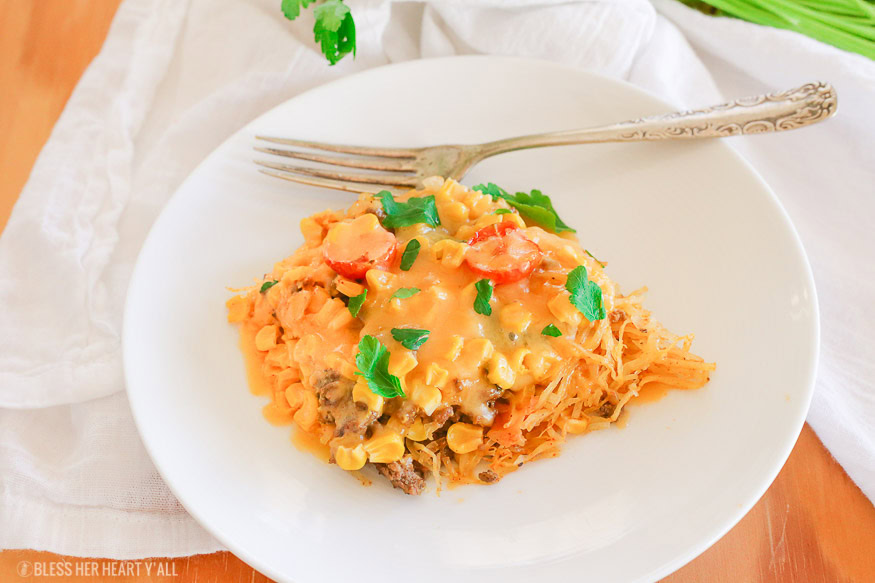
410 338
356 302
551 330
586 295
267 285
410 254
419 209
484 294
405 292
334 28
372 361
535 206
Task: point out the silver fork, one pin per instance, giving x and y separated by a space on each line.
407 167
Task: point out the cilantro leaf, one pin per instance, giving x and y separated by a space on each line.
292 8
356 302
501 211
484 294
551 330
334 30
410 254
267 285
586 295
535 206
419 209
410 338
405 292
372 361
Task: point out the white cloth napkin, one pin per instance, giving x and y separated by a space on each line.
176 77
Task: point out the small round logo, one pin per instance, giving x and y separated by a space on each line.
25 569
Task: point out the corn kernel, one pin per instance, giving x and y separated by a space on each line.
306 415
307 347
560 306
238 308
277 413
436 375
500 372
379 280
351 458
516 360
464 232
385 448
296 274
417 431
568 254
433 183
464 437
265 339
515 219
318 298
311 230
450 253
348 370
426 397
538 364
340 319
361 393
480 205
401 362
576 425
413 231
277 357
487 220
455 212
515 317
348 287
447 189
455 349
477 351
295 396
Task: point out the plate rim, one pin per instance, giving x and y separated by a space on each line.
668 567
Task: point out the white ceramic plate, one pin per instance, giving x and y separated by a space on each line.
692 221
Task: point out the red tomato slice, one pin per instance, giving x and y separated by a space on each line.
502 253
351 249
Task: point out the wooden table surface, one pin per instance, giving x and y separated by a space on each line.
813 524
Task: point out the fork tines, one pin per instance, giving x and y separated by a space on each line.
396 164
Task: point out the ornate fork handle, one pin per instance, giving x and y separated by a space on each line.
773 112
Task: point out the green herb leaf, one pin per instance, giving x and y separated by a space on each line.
334 30
492 190
502 211
551 330
372 361
410 254
292 8
594 257
586 295
410 338
484 294
535 206
405 292
267 285
419 209
356 302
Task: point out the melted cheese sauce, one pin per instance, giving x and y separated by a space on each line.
445 307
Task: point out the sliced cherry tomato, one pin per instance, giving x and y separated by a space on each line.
351 249
502 253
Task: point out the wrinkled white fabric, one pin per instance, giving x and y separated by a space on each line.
176 77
